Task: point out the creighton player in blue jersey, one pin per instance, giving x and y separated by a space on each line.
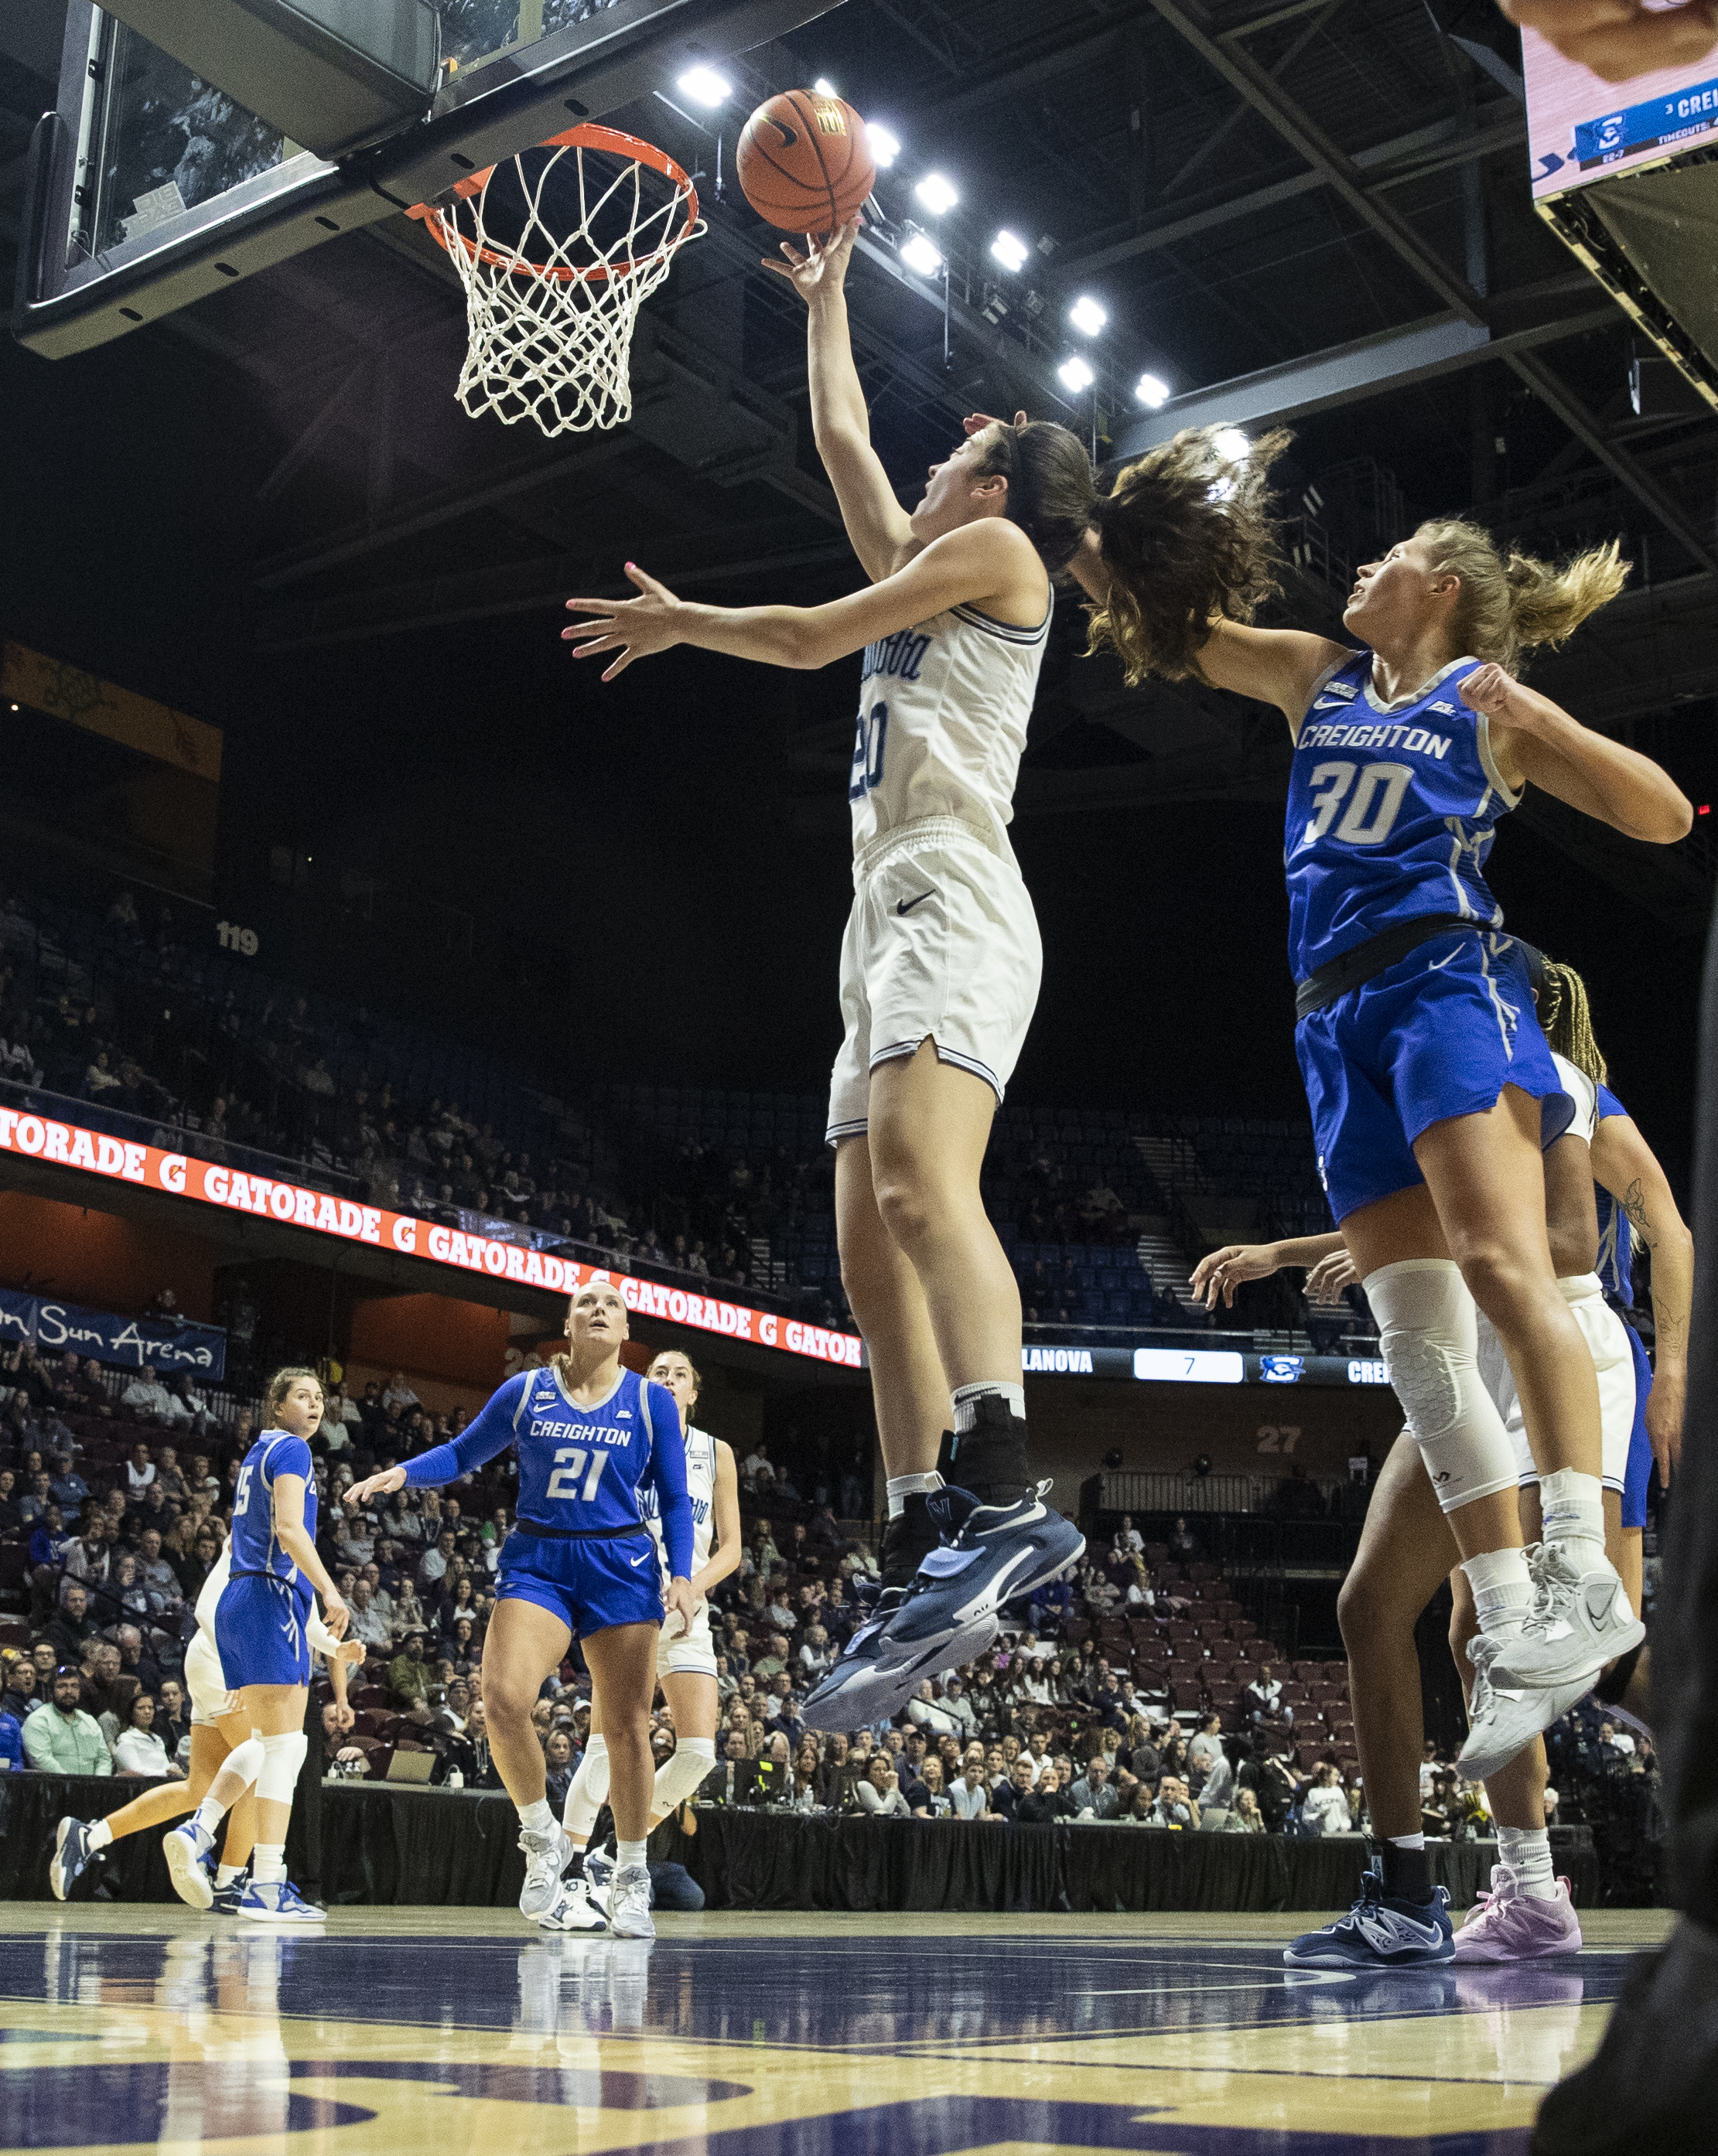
263 1638
1424 1066
591 1438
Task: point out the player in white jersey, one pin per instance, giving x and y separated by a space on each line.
939 970
217 1731
686 1658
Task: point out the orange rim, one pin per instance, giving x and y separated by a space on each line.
589 136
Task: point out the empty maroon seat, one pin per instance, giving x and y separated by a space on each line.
1222 1650
1241 1673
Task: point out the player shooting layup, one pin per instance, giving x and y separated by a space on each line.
939 973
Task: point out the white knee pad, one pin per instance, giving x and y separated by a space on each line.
282 1757
682 1775
589 1791
1428 1331
245 1760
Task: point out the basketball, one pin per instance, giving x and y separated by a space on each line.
803 162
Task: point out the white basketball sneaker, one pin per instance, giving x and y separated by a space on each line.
1504 1715
1579 1621
629 1903
546 1857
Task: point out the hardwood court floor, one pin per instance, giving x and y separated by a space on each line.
455 2030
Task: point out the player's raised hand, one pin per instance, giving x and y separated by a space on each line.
822 268
1619 39
374 1486
1225 1270
634 628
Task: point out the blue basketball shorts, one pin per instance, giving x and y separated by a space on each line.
590 1583
1639 1471
260 1631
1439 1035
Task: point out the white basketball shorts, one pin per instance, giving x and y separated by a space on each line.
1607 1339
942 944
206 1682
691 1653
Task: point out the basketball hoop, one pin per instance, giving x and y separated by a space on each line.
550 318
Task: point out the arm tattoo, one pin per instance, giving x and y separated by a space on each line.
1633 1204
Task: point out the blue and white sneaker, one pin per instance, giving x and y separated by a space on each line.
598 1877
227 1898
72 1857
859 1691
190 1864
1377 1934
992 1554
278 1903
573 1910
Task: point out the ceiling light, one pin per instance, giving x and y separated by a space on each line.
1086 316
824 87
1231 445
1074 374
1010 252
885 147
919 253
705 87
936 193
1152 391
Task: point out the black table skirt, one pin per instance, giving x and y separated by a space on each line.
458 1849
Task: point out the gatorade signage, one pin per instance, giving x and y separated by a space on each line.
208 1182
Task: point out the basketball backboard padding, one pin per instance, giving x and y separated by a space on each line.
331 74
118 255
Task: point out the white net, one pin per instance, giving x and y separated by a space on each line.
557 250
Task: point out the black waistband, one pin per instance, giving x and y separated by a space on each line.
280 1578
1375 956
579 1534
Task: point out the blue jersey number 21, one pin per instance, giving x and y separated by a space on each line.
868 752
565 1481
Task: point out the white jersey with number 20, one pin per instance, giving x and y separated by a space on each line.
942 713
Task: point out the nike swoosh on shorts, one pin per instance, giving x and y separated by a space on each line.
907 905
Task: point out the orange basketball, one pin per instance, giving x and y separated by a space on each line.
803 162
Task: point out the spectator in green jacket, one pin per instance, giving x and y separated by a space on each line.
409 1675
62 1739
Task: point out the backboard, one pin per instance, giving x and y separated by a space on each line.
149 188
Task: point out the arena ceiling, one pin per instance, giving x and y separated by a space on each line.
1330 194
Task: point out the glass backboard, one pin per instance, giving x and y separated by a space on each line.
149 188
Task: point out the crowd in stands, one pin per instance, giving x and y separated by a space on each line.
1137 1693
128 1017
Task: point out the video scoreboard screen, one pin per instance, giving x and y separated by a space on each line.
1581 129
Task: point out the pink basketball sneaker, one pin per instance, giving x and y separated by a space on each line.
1507 1925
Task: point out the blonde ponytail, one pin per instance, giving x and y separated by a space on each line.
1566 1019
1507 607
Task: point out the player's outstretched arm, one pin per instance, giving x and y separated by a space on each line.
490 1431
1224 1270
1619 39
1535 739
1629 1168
979 562
876 524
